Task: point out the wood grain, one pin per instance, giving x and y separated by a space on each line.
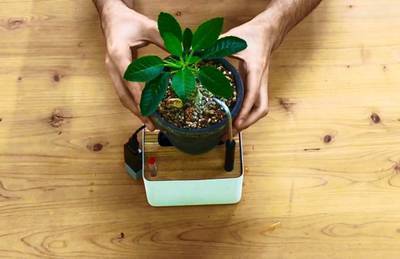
322 163
172 164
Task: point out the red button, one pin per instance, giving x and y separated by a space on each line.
151 160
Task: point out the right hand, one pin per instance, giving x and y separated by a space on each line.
125 31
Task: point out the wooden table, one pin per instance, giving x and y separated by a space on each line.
323 169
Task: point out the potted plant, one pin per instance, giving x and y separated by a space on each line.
179 89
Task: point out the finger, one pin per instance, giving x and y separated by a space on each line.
252 86
153 36
260 109
135 90
124 95
242 70
243 75
121 58
149 33
258 112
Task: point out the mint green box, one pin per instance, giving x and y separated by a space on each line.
162 193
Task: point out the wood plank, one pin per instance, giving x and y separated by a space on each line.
321 165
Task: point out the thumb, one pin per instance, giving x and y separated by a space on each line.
153 35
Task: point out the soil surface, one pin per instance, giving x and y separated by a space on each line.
201 115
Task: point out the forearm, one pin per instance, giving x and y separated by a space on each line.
291 12
283 15
101 4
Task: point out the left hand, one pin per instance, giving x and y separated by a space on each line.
126 31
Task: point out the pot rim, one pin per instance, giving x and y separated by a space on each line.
234 111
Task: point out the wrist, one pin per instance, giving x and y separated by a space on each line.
99 5
102 5
282 15
274 21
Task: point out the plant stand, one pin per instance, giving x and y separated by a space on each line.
174 178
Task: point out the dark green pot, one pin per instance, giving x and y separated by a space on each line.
197 141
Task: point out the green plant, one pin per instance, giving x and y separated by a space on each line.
183 65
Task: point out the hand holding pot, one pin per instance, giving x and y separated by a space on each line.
125 31
263 35
254 68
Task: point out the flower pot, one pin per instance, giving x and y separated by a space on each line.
201 140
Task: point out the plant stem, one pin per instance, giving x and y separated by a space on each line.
190 55
170 64
194 70
198 97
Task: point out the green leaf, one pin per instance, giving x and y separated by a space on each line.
187 39
184 83
153 93
172 44
193 59
207 33
225 47
213 79
168 23
144 69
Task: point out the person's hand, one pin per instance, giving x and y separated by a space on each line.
264 34
125 31
261 37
